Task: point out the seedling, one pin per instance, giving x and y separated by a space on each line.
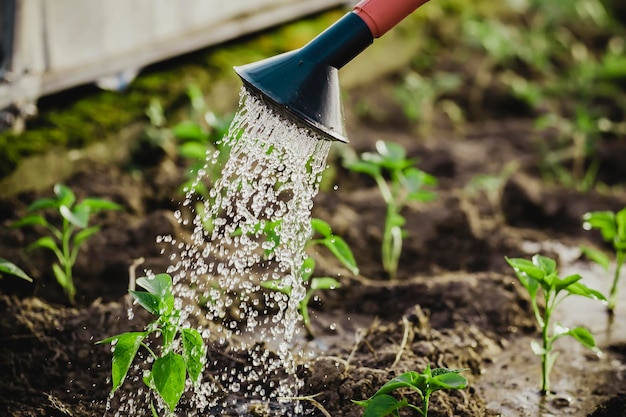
382 404
541 276
10 268
405 183
337 246
182 352
612 226
65 241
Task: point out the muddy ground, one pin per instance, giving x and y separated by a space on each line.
455 303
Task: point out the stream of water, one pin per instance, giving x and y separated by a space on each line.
271 176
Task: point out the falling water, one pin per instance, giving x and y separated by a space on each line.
271 177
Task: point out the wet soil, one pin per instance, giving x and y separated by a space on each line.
454 304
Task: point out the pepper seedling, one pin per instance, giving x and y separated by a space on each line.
405 183
182 353
612 226
382 404
65 241
335 244
540 275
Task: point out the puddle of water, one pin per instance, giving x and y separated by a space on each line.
272 175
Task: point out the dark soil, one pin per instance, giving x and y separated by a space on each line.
455 303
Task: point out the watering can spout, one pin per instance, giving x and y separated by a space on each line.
304 84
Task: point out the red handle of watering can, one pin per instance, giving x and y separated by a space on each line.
382 15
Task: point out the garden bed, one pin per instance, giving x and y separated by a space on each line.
455 302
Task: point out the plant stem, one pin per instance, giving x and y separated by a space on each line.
69 288
621 256
545 336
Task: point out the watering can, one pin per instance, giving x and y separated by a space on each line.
303 85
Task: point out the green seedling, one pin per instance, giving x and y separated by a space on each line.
10 268
322 235
419 98
382 404
182 351
399 182
65 241
612 226
541 276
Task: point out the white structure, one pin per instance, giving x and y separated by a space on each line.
50 45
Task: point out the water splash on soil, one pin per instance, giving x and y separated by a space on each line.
271 177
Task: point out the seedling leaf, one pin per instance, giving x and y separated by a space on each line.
79 217
148 301
97 204
85 234
124 351
168 374
193 352
584 336
10 268
342 251
596 256
449 379
189 130
383 405
579 288
564 283
321 227
43 204
30 220
44 242
547 265
64 194
324 283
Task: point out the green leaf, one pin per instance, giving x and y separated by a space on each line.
444 378
365 167
30 220
64 194
561 284
98 204
308 267
10 268
603 221
124 351
276 285
342 252
193 353
44 204
525 270
405 380
620 220
596 256
168 374
46 242
581 289
324 283
321 227
148 301
79 217
85 234
382 405
61 277
159 285
583 336
547 265
189 130
193 150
